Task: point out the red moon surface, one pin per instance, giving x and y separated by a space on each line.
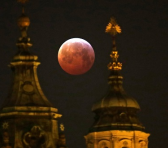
76 56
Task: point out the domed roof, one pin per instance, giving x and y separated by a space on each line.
116 99
116 110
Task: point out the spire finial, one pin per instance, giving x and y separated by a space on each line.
113 28
22 2
23 23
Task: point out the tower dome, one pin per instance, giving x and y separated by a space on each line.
116 97
116 123
116 110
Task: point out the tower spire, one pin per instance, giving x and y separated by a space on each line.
23 22
116 122
116 108
24 65
113 29
27 118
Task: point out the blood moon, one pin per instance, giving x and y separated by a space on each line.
76 56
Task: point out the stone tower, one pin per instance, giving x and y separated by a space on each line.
116 123
27 118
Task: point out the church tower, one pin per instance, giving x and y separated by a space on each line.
27 118
116 123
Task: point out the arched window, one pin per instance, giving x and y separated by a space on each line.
142 144
125 144
103 144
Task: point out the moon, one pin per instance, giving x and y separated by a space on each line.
76 56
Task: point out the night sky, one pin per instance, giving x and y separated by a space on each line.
142 46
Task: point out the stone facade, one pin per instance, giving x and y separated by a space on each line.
117 139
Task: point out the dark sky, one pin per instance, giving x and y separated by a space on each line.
143 50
